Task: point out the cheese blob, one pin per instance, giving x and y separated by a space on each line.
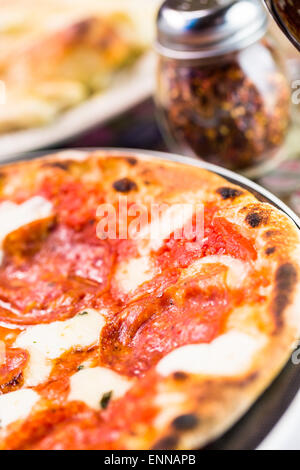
50 341
89 386
228 355
14 216
16 405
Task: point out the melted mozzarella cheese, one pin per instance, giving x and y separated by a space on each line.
14 216
230 354
133 273
50 341
237 271
89 385
16 405
174 218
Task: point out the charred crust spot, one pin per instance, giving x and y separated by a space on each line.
61 165
131 161
229 193
286 277
256 218
185 422
270 250
16 380
285 280
81 28
180 376
166 443
124 185
12 384
248 380
271 233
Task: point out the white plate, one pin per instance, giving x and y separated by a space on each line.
129 88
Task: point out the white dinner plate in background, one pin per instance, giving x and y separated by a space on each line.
128 89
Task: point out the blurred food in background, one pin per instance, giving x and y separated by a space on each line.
54 54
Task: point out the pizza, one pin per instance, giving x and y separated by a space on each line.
118 335
55 54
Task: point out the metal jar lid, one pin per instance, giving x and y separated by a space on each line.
195 29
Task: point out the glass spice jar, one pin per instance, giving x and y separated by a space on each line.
222 94
287 15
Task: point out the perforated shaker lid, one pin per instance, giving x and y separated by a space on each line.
203 28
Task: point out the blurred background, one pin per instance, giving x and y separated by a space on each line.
83 73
